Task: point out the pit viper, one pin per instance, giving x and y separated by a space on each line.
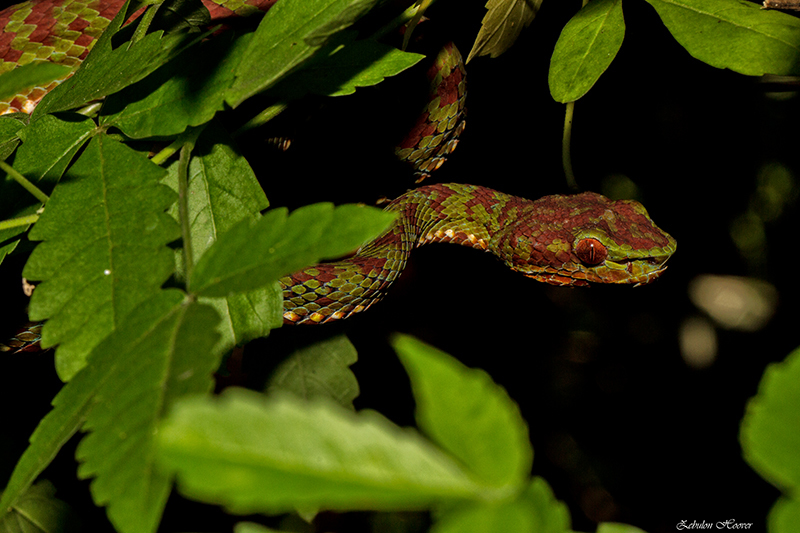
560 240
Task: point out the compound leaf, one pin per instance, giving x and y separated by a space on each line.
105 234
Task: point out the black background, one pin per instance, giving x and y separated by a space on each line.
623 429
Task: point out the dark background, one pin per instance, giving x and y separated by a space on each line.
623 429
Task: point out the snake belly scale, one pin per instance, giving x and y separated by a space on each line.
560 240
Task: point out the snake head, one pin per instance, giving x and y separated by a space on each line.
577 239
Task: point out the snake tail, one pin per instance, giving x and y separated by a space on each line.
561 240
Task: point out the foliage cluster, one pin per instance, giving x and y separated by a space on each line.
151 269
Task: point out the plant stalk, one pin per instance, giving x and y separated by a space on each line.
19 221
22 180
566 151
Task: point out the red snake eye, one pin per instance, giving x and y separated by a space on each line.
591 251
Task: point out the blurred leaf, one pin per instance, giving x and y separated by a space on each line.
37 510
320 370
250 527
289 34
35 74
253 254
586 47
105 250
159 352
770 430
733 34
535 510
784 516
253 454
467 414
501 26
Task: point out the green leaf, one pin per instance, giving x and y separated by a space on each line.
187 92
784 516
319 370
357 64
223 190
586 47
37 510
130 62
160 352
770 430
501 26
10 125
253 454
290 33
35 74
10 237
535 510
734 34
467 414
253 254
105 250
49 145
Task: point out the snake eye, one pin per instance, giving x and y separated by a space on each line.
591 251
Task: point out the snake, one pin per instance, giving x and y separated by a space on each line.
564 240
568 240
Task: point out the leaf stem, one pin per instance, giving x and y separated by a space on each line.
566 140
566 152
19 221
26 184
262 118
167 152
